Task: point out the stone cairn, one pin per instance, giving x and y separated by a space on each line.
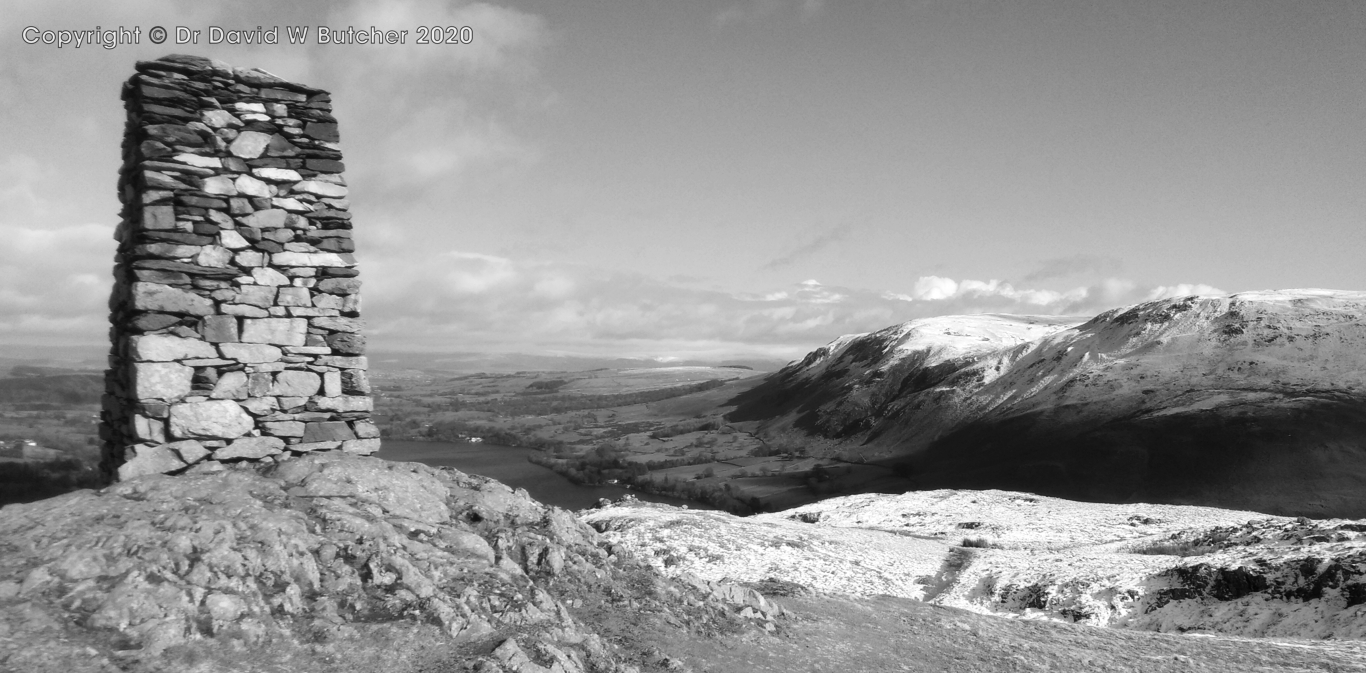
236 333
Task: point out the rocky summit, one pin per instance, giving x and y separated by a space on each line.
332 560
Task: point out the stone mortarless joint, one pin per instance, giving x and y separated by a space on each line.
235 311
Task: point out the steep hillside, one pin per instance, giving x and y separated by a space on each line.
1253 401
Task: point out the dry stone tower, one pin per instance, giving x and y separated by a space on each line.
236 330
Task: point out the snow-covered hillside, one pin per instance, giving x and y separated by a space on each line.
1255 400
1137 566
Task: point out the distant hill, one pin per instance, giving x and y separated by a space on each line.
525 362
1254 401
32 387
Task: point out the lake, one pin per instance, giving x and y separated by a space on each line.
509 465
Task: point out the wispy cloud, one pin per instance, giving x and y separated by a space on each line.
1073 265
810 247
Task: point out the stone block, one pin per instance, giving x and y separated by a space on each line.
158 218
278 331
327 301
158 180
230 386
167 250
249 186
341 286
355 382
148 429
249 144
320 188
292 403
284 428
161 380
309 259
279 235
149 459
322 131
220 185
213 256
305 447
365 430
280 147
219 119
310 312
327 431
249 258
332 386
351 305
250 353
244 311
163 348
155 409
325 165
191 451
220 219
268 277
162 277
233 240
277 174
260 406
347 344
256 295
272 218
149 322
293 296
167 299
292 205
221 419
207 362
344 403
251 448
259 384
362 447
218 329
293 383
344 362
336 324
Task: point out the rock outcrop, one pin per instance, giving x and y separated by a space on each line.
325 559
235 310
1253 401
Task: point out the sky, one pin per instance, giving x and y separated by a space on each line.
728 178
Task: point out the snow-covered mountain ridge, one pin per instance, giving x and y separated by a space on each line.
1254 400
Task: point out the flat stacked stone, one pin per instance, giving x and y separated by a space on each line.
236 309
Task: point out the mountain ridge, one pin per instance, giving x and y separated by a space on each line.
1190 400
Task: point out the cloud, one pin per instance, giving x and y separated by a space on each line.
1073 265
809 248
459 300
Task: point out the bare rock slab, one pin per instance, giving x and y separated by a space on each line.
215 419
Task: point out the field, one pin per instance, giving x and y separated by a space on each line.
49 432
661 430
